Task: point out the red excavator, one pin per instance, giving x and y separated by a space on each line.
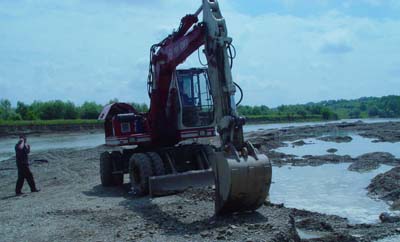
163 150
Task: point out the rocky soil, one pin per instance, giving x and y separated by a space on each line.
386 186
73 206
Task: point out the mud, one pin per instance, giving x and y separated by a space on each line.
386 186
337 139
73 206
372 161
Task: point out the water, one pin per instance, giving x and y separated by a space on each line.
255 127
358 146
54 141
329 189
79 140
390 239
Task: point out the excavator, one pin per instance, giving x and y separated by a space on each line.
164 150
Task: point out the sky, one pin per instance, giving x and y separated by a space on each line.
288 51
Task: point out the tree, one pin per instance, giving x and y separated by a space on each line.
373 111
302 113
90 110
355 113
22 110
142 108
70 111
5 109
114 100
52 110
363 107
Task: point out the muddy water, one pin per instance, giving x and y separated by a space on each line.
56 141
330 189
358 146
390 239
255 127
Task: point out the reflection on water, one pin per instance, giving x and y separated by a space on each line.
358 146
330 189
55 141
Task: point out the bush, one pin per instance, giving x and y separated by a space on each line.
90 110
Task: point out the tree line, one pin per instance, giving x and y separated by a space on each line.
366 107
53 110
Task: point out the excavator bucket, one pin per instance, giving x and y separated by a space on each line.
242 183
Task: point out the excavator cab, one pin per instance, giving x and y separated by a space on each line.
197 109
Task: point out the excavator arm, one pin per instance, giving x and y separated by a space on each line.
164 58
242 175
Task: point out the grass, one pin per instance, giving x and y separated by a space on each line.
49 122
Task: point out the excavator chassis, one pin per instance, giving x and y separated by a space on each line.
241 181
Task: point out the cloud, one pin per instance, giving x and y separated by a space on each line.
98 50
337 41
336 48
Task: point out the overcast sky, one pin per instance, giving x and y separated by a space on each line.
289 51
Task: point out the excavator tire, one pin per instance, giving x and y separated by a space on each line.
118 179
106 176
157 164
139 172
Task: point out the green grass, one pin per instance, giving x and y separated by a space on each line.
49 122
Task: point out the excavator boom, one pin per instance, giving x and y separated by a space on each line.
242 174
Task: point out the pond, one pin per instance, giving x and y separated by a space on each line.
329 189
358 146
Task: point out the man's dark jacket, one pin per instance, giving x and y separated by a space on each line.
21 155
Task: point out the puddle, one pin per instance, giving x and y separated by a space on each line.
389 239
56 141
255 127
305 234
358 146
329 189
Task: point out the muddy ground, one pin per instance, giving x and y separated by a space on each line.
73 206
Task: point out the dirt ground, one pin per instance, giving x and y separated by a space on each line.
73 206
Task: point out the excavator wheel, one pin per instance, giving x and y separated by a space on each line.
157 164
118 179
139 172
106 176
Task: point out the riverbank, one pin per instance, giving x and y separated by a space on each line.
13 128
10 128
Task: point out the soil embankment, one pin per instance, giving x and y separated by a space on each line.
73 206
12 130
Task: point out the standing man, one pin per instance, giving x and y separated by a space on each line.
22 150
